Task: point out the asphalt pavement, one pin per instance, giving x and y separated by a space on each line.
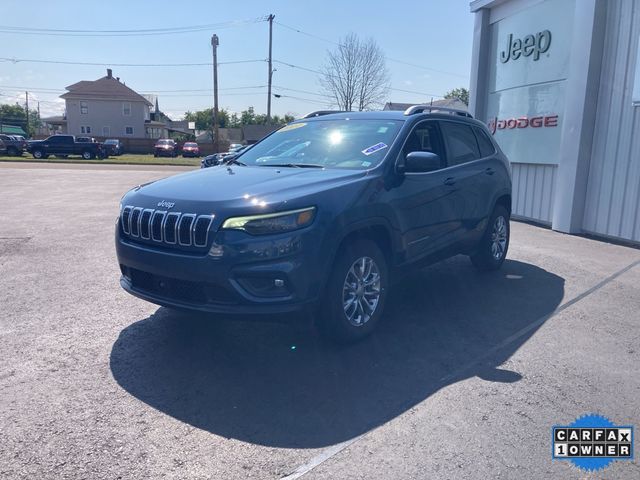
464 379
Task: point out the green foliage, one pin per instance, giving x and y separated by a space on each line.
461 94
17 115
204 118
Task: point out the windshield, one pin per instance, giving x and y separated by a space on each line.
357 144
165 142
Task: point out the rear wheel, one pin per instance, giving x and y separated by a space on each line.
492 249
87 155
356 292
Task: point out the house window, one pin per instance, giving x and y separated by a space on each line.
128 130
126 109
106 131
84 108
85 129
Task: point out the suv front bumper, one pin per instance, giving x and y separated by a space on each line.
254 275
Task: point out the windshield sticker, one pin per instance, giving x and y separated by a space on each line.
383 129
292 126
366 164
374 148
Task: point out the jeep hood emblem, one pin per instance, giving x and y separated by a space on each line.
166 204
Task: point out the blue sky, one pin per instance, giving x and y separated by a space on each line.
434 35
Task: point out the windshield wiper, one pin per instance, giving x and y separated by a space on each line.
233 161
293 165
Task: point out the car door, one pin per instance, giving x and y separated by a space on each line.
427 210
53 144
467 170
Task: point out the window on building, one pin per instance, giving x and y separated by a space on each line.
85 129
462 146
106 131
126 109
128 130
84 108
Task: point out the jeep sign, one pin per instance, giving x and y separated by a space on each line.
529 45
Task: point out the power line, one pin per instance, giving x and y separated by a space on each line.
127 33
103 64
311 70
302 32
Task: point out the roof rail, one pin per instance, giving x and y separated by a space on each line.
319 113
434 108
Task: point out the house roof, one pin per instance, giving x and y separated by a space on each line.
107 87
11 130
447 102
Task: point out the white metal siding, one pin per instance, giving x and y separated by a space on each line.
533 189
612 205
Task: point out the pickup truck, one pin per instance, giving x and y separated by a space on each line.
63 146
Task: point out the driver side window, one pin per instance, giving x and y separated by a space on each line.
425 138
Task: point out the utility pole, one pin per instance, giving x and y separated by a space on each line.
214 45
26 96
271 17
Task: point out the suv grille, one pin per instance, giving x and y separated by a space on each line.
169 228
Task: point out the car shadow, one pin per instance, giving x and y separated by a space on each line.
278 385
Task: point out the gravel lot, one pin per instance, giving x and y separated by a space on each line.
464 379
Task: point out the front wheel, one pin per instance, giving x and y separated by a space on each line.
355 294
38 154
492 249
87 155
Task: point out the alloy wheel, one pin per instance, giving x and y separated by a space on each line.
361 291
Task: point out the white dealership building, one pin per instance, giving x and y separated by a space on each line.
558 82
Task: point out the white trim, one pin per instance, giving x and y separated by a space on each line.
124 114
106 129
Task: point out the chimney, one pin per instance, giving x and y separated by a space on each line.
109 73
118 78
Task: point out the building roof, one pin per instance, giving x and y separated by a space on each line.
107 87
447 102
253 133
11 130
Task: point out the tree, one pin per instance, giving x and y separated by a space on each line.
355 75
17 115
461 94
204 118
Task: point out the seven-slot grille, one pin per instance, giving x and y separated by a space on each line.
172 228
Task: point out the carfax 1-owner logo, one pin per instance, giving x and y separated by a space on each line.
592 442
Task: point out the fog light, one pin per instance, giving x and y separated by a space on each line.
278 282
216 251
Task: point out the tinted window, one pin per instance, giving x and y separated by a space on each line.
486 147
461 143
424 138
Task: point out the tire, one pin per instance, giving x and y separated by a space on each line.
39 154
87 155
492 248
343 323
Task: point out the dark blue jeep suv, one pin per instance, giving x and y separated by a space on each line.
320 213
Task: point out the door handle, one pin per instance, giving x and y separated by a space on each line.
489 171
450 181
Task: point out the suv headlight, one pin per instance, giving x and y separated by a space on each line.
272 222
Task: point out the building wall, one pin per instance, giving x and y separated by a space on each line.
106 113
612 205
533 191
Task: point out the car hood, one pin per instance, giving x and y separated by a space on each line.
238 186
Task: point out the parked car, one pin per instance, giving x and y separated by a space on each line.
218 158
113 146
165 148
3 147
352 200
234 147
14 144
65 145
190 149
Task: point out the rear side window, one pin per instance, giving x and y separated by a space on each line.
486 146
462 146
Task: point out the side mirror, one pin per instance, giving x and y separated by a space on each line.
422 162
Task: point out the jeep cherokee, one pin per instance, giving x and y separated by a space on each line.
320 213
